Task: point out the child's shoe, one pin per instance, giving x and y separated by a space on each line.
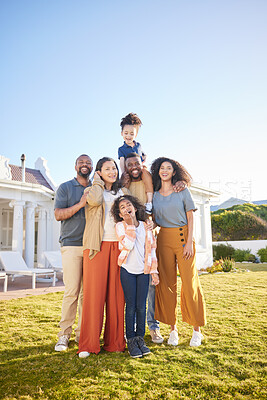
142 345
148 208
196 339
173 339
133 348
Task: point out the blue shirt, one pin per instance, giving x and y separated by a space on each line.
71 231
170 211
124 150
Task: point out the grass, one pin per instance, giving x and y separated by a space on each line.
231 363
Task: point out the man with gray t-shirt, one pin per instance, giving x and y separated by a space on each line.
69 209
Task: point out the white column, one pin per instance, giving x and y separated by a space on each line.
17 234
41 240
29 234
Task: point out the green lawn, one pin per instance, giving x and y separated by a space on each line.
231 363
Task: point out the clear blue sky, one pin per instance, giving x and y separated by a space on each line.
194 71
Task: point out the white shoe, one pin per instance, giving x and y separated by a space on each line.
84 354
196 339
156 336
62 344
148 207
173 339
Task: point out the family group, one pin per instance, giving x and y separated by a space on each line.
113 264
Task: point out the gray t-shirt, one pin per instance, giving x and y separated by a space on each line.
170 211
68 194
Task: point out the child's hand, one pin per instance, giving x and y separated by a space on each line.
149 225
155 279
188 251
128 218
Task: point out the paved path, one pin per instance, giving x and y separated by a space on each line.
21 287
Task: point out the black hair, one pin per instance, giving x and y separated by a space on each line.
82 155
181 174
140 208
116 185
131 119
131 155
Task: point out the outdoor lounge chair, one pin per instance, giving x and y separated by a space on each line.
13 264
54 260
4 276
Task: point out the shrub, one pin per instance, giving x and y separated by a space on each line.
222 251
263 254
237 225
228 265
225 265
243 255
216 267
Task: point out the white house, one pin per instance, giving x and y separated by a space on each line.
202 226
27 222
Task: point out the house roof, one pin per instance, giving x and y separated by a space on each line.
31 176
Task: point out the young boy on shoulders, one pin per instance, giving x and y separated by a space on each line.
130 125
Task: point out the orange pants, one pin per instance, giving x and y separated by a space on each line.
170 242
101 280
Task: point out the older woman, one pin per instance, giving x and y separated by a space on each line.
173 212
101 274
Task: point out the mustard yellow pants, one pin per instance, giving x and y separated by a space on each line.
170 245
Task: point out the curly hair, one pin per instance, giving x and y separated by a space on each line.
131 119
116 185
181 174
140 208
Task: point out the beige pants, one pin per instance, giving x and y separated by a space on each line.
72 261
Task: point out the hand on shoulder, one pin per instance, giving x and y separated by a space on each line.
179 186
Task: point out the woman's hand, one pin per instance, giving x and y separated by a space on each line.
188 250
125 180
97 176
155 279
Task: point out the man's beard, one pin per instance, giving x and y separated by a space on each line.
136 178
84 175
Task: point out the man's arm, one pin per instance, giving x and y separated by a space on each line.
65 213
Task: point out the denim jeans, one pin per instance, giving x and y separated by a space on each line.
135 288
151 321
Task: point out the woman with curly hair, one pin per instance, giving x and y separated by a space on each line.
173 212
101 274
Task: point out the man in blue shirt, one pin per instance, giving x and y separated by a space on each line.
69 209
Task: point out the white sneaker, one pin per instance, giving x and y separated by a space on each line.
84 354
196 339
148 207
62 344
156 336
173 339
